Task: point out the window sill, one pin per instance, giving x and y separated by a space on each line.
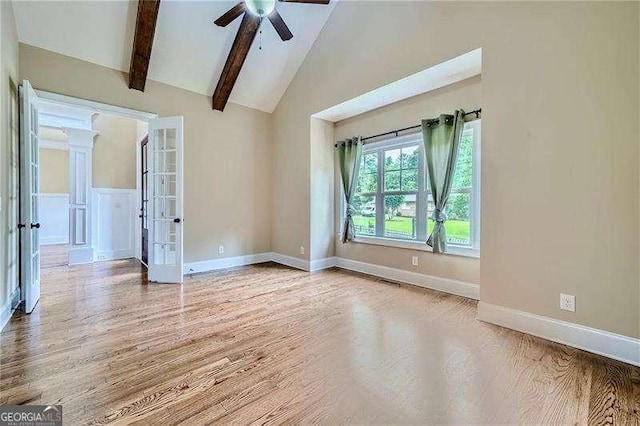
417 245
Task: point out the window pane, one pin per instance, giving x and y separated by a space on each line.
409 157
457 224
365 216
368 175
392 181
369 163
392 160
400 216
458 219
409 180
464 165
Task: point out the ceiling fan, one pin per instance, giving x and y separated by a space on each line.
254 11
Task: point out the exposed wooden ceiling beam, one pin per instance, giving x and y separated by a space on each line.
235 60
142 43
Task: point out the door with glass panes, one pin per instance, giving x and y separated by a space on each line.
144 202
164 206
29 197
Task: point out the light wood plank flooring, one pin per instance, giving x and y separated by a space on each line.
269 344
54 255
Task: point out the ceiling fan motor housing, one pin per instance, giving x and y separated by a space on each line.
261 8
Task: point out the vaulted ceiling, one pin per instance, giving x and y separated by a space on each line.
189 51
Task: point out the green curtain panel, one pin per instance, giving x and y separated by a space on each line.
349 155
441 138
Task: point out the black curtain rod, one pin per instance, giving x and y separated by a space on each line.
395 132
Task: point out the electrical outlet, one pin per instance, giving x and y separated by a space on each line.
301 249
220 249
568 302
414 260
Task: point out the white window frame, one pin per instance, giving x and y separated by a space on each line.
473 250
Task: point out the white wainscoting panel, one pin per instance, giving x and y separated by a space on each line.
113 223
54 219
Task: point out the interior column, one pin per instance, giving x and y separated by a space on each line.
80 183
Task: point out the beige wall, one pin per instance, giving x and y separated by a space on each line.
560 155
465 94
54 171
114 152
8 132
227 156
322 226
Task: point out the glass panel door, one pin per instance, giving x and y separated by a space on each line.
165 203
29 194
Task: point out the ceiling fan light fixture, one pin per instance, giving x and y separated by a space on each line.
260 8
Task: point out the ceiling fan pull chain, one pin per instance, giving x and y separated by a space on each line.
260 26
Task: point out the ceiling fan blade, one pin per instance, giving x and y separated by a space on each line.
230 15
306 1
281 28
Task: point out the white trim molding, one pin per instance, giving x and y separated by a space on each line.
293 262
9 307
93 106
447 285
611 345
320 264
53 144
225 262
251 259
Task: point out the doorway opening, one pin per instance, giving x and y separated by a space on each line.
111 142
105 222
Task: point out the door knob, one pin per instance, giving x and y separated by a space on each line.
35 225
21 225
176 220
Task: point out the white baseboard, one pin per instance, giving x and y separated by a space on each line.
447 285
54 239
293 262
9 307
80 256
320 264
103 255
227 262
611 345
250 259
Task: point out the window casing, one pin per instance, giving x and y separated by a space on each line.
393 199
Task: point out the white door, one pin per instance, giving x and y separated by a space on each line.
165 205
29 197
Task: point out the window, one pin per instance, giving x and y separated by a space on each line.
393 198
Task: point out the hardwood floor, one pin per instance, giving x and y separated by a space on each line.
54 255
269 344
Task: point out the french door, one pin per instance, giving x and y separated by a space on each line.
144 204
29 197
165 201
